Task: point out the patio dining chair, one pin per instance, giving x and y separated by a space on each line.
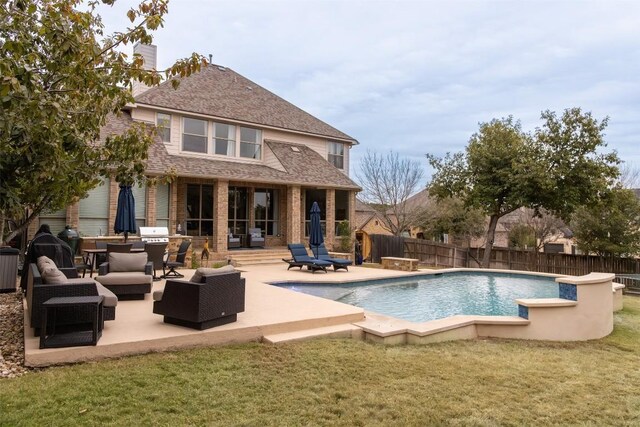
181 257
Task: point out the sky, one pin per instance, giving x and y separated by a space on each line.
417 77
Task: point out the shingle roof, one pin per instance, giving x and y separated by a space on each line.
302 167
221 92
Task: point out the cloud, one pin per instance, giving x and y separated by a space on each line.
418 76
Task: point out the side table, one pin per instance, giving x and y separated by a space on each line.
49 338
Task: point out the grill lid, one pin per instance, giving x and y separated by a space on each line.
154 231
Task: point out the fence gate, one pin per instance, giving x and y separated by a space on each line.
384 245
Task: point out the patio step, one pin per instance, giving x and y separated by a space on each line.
337 331
266 256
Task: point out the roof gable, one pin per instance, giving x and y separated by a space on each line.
221 92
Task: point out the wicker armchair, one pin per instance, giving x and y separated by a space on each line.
215 301
38 292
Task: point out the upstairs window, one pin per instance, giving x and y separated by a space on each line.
336 154
194 135
250 143
163 124
225 139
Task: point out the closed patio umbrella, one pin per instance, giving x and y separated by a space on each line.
315 233
125 212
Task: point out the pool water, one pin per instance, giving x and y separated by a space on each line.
431 297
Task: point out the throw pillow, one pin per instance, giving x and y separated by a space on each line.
43 262
53 275
202 271
119 262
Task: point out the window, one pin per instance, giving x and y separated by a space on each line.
225 139
199 210
56 220
162 205
265 209
140 197
336 154
250 143
94 211
163 123
342 208
194 135
319 196
238 209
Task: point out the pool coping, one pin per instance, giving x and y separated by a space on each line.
390 330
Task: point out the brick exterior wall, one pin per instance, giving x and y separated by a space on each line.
331 218
294 217
221 217
151 211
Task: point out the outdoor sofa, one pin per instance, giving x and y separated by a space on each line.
46 281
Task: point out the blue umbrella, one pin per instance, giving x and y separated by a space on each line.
315 233
125 212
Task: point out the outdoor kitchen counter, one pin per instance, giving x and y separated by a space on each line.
89 242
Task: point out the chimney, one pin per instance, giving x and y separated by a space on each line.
149 53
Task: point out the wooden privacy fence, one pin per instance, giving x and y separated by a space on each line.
442 255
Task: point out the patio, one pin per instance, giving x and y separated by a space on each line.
269 310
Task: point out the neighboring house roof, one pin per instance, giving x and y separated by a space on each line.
304 166
420 199
221 92
363 207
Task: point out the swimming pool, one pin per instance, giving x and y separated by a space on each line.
435 296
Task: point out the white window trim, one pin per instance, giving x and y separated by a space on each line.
211 141
330 144
207 135
170 124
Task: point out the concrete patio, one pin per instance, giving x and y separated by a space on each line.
270 311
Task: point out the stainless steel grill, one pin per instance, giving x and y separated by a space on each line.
154 234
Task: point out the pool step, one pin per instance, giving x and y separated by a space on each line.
337 331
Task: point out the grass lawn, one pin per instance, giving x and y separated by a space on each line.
344 382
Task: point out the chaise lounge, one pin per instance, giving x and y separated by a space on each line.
322 253
302 259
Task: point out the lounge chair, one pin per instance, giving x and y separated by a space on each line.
302 259
212 298
255 239
323 254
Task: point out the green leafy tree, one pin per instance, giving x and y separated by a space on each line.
559 168
61 79
610 227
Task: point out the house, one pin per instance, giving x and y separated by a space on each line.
242 157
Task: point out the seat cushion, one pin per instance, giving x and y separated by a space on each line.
110 299
202 271
157 295
125 278
127 262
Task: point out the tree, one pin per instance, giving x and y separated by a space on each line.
610 227
629 175
491 176
450 216
559 168
534 229
387 182
59 85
